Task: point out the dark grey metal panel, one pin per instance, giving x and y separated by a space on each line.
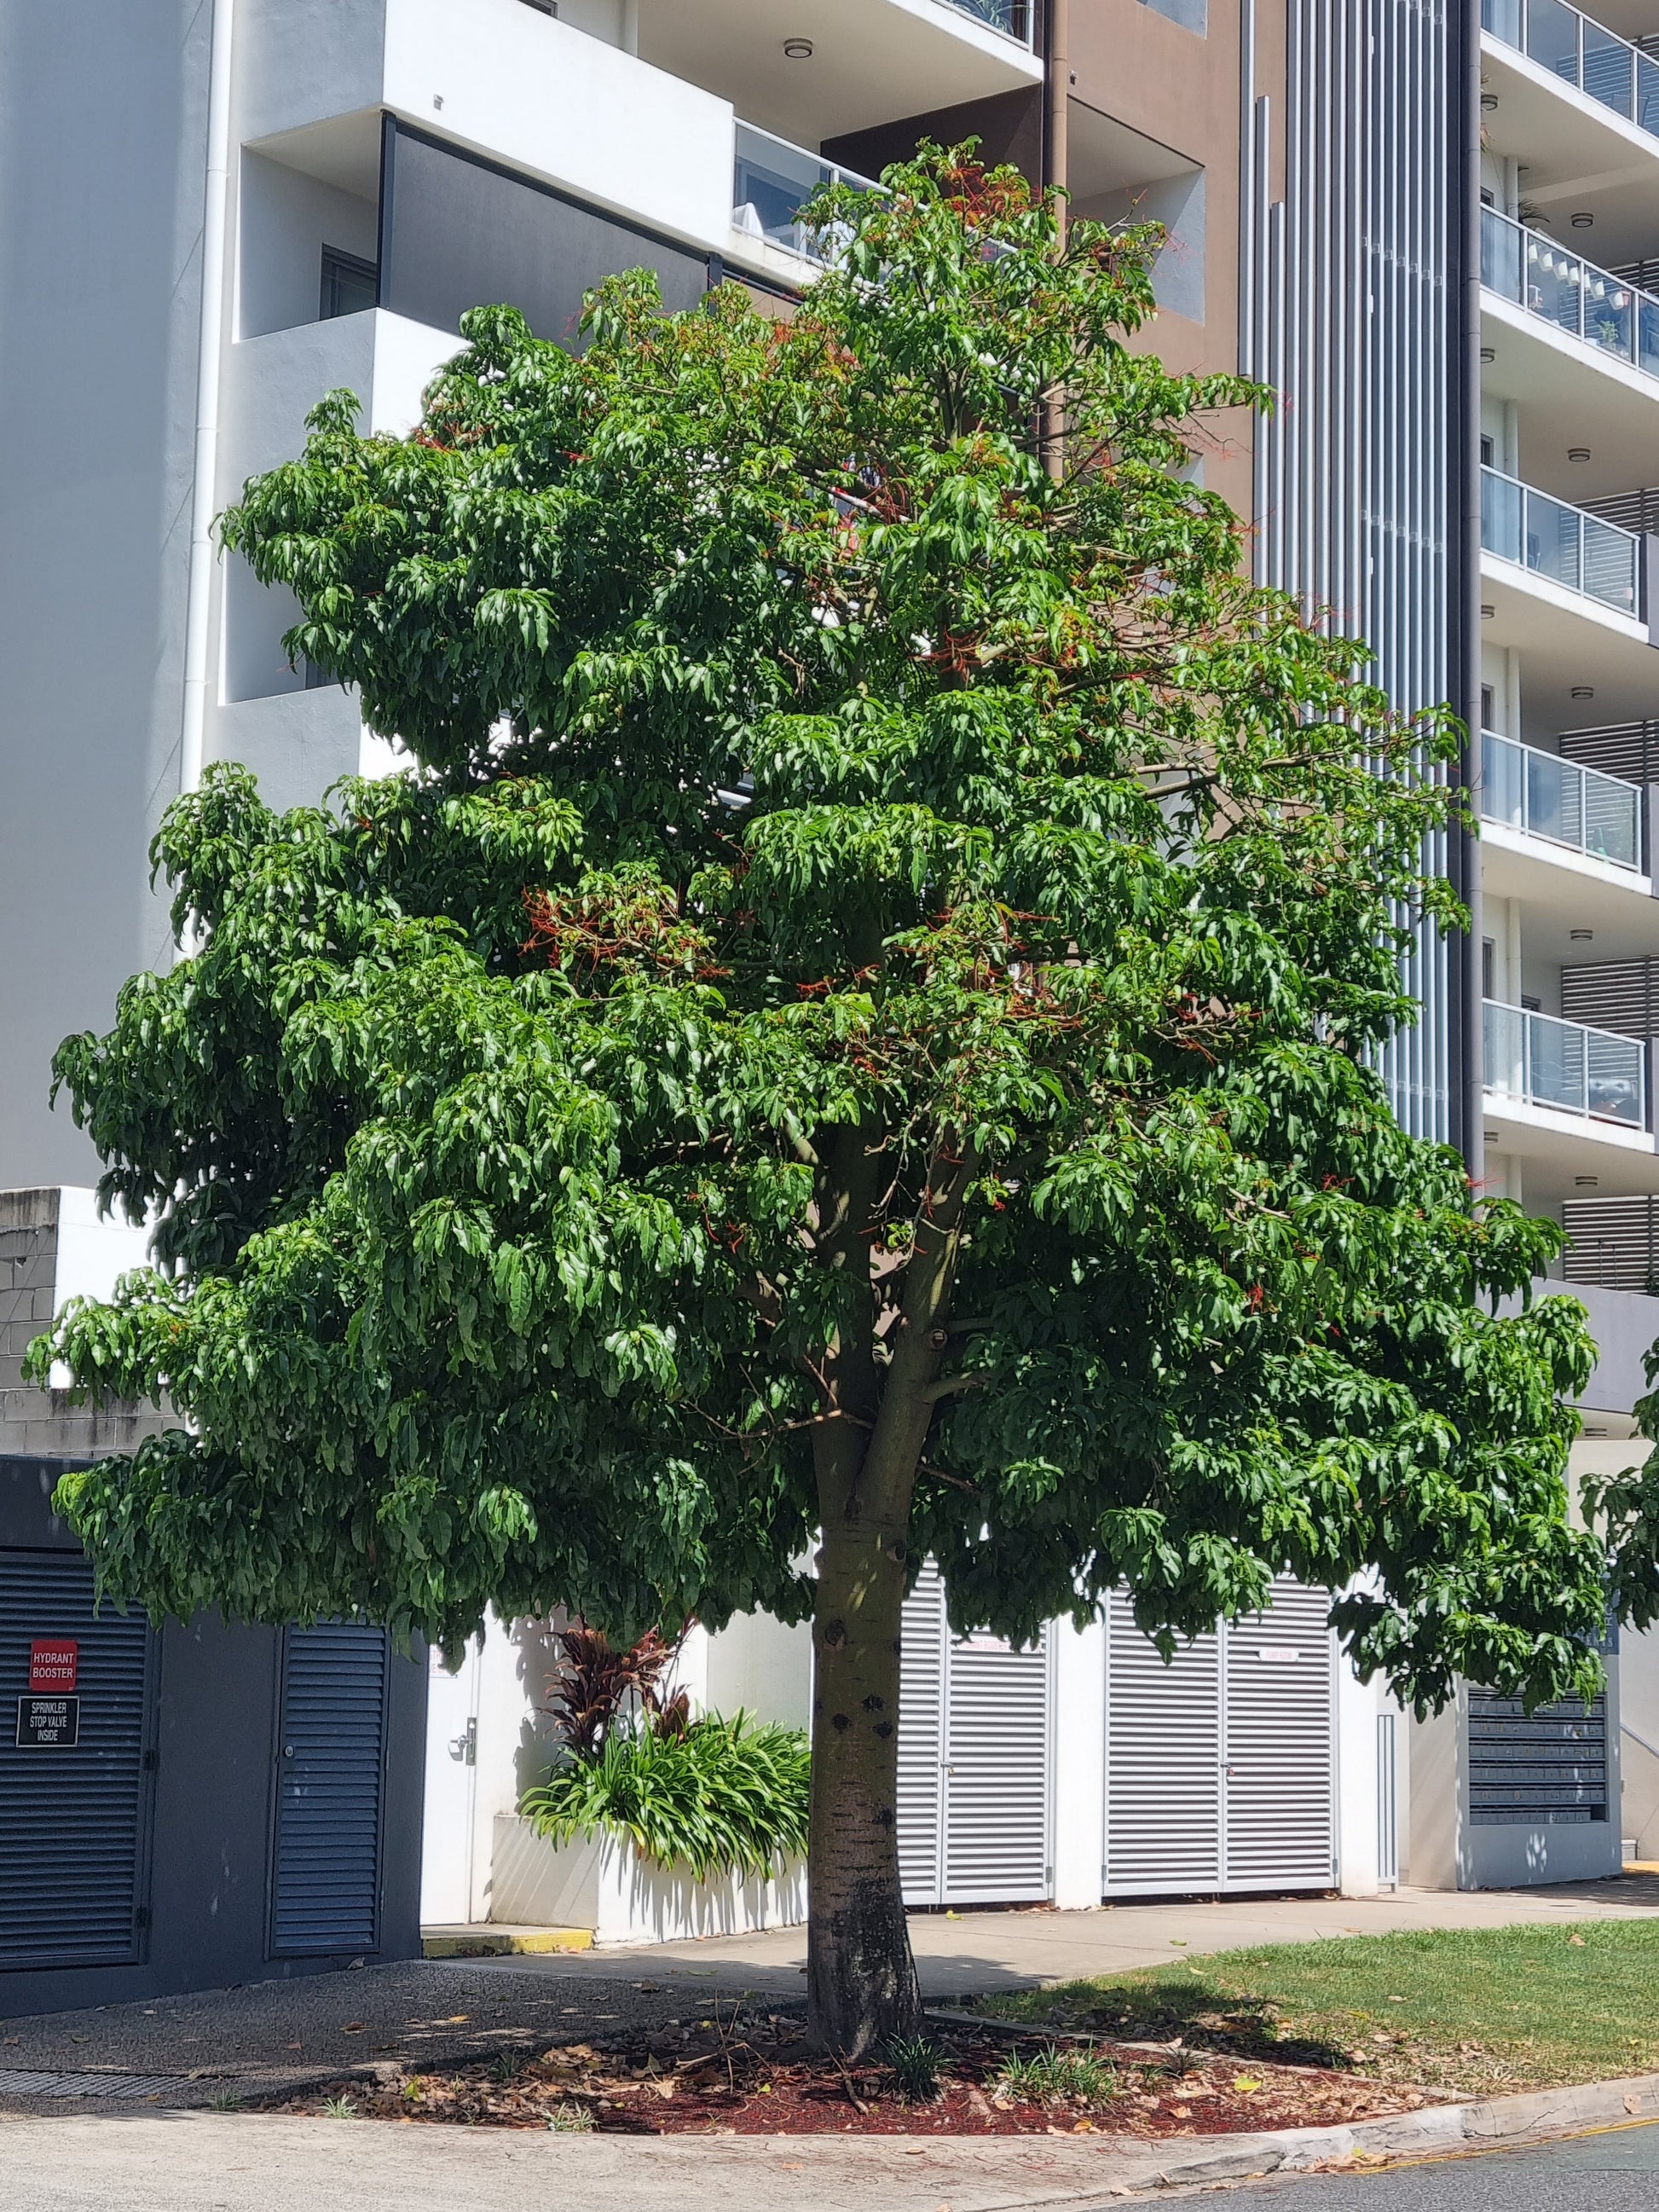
74 1821
331 1791
458 233
1532 1769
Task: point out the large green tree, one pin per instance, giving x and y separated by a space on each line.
849 1040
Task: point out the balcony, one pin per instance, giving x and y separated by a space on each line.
1530 270
1561 544
1015 18
772 181
1558 800
1595 61
1564 1067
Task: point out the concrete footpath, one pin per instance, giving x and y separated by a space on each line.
961 1955
194 2161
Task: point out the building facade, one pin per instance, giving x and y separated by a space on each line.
1366 203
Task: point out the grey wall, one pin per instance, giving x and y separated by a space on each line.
462 235
101 162
1176 203
210 1850
1194 14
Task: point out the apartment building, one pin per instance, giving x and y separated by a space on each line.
213 213
1568 940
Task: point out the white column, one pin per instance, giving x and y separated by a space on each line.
1079 1762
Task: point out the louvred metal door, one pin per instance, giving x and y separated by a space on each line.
73 1817
331 1785
1164 1760
973 1762
1279 1814
996 1773
1220 1766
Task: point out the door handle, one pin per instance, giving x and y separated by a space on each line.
465 1747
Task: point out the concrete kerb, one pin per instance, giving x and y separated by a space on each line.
1537 2116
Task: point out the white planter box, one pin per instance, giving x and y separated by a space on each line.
606 1886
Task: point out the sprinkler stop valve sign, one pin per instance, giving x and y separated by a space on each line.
49 1718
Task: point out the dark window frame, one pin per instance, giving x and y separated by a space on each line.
338 264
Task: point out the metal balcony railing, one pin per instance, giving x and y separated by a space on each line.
773 180
1577 1070
1563 543
1597 62
1560 801
1586 301
1015 18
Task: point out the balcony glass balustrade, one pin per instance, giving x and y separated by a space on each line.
1563 543
1015 18
1577 1070
1595 61
1560 801
1588 303
772 182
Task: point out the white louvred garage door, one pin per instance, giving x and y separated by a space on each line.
974 1764
1219 1767
1280 1823
1163 1761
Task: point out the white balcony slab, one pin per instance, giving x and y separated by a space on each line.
1569 393
497 79
872 61
1566 639
1562 891
1555 1148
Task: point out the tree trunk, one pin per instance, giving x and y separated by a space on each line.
860 1978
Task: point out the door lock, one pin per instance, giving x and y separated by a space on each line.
465 1747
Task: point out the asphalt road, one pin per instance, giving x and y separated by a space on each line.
1616 2171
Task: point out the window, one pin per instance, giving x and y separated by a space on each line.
1488 451
349 284
1488 706
1488 968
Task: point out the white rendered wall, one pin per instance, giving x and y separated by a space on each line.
102 118
287 219
93 1252
298 741
1638 1686
1359 1709
756 1665
1078 1763
515 1740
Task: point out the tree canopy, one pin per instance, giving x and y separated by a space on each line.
853 1030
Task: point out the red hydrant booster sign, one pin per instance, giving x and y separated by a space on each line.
54 1664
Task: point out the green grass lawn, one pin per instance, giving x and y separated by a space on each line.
1478 2011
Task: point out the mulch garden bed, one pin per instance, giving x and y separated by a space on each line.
750 2072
